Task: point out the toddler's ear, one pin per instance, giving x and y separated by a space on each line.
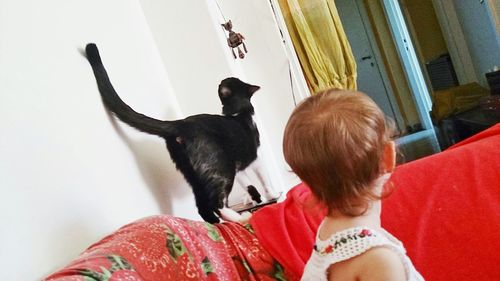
389 157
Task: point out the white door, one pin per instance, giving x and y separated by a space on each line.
370 79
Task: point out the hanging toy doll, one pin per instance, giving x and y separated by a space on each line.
234 40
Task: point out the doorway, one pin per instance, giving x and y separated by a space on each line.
372 76
381 71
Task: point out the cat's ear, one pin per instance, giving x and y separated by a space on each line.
224 92
252 89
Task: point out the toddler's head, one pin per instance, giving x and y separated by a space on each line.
338 143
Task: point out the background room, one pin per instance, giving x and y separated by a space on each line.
70 173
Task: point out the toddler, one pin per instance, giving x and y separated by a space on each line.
338 142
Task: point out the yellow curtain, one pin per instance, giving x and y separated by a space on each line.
321 44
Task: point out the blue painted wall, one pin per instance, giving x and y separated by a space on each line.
482 39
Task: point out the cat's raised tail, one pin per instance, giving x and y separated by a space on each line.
114 103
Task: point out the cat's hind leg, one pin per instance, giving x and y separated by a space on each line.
205 206
214 173
229 214
219 187
216 181
182 153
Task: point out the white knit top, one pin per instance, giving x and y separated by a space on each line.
349 243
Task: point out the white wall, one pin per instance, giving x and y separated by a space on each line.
266 65
193 48
68 174
66 177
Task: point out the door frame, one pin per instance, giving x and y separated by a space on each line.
409 59
380 63
296 69
415 40
299 82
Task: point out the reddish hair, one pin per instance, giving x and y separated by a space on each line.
334 141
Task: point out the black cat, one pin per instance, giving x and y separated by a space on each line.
207 149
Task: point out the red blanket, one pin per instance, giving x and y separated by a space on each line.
445 209
169 248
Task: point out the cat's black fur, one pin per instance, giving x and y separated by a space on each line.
207 149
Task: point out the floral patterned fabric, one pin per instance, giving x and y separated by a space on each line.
170 248
333 245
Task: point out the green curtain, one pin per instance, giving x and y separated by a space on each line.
321 44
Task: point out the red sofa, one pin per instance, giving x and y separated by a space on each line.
445 209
